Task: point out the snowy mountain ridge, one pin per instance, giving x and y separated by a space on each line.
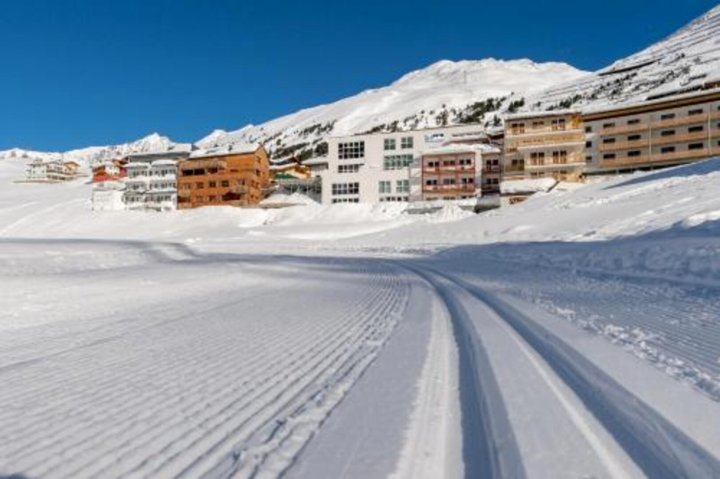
89 155
686 61
432 96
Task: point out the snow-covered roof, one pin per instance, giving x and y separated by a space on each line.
604 108
462 148
535 185
540 114
321 160
229 149
164 162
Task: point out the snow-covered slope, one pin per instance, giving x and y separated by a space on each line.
683 62
441 93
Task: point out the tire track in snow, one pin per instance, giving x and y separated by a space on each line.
490 449
656 445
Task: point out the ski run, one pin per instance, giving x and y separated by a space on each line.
222 342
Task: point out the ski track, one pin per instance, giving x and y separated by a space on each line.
672 324
211 391
615 424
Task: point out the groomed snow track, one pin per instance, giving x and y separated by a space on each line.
655 447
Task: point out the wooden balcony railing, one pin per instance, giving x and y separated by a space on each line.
624 145
659 158
449 188
616 130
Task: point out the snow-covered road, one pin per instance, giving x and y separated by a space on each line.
141 359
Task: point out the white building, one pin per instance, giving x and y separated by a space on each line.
50 171
376 167
151 182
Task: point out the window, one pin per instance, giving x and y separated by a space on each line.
634 121
199 185
448 181
224 183
355 149
667 149
393 199
517 128
607 141
696 146
609 125
588 129
398 162
609 156
699 111
348 168
431 182
588 144
384 187
346 200
696 129
212 184
667 116
559 124
469 180
634 138
559 157
667 133
402 186
406 142
389 144
634 153
588 159
537 158
538 124
345 188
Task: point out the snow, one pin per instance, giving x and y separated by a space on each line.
573 335
683 62
322 340
527 186
448 83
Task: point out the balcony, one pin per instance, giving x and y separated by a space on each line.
667 140
448 169
546 131
624 145
617 130
561 138
659 158
684 120
449 188
571 160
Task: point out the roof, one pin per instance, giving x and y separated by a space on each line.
541 114
320 160
652 105
462 148
224 150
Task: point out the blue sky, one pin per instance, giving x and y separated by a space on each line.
90 72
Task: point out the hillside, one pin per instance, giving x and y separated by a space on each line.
685 61
443 93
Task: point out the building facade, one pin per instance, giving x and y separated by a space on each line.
570 145
452 172
383 167
151 182
548 144
233 175
653 135
51 171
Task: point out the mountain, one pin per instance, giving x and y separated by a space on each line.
92 154
446 92
686 61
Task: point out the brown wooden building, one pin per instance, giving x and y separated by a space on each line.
233 175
